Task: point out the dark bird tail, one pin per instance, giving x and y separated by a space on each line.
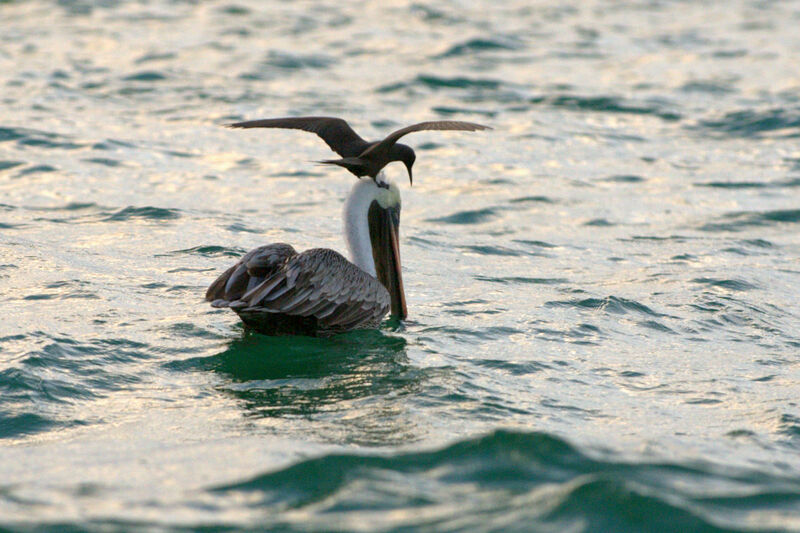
353 164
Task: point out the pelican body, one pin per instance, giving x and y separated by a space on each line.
318 292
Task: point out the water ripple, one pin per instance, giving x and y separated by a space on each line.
27 137
288 61
513 280
61 372
493 250
517 369
732 284
145 213
608 104
740 220
480 45
733 184
609 304
35 169
146 76
210 251
11 134
105 161
776 123
532 200
472 216
5 165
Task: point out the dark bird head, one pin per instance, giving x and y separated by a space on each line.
401 152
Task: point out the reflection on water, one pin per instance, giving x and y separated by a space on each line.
351 386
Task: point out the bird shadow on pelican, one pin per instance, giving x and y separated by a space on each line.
277 291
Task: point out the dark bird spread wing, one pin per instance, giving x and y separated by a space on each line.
424 126
318 284
334 131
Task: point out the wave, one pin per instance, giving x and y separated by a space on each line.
503 481
784 183
740 220
479 45
5 165
146 213
35 169
514 481
146 76
279 61
777 122
609 304
731 284
514 280
208 251
430 81
61 371
625 179
38 139
473 216
608 104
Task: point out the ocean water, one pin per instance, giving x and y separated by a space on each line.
604 328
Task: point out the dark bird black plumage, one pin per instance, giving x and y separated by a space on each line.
362 158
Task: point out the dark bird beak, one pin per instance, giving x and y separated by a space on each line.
410 177
384 226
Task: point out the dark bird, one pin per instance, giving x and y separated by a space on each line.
278 291
362 158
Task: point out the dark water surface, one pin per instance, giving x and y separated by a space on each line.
604 329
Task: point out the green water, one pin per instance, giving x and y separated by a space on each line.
603 318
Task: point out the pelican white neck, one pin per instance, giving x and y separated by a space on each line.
356 223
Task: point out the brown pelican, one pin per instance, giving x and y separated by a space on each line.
277 291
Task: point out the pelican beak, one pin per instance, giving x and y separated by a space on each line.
384 229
